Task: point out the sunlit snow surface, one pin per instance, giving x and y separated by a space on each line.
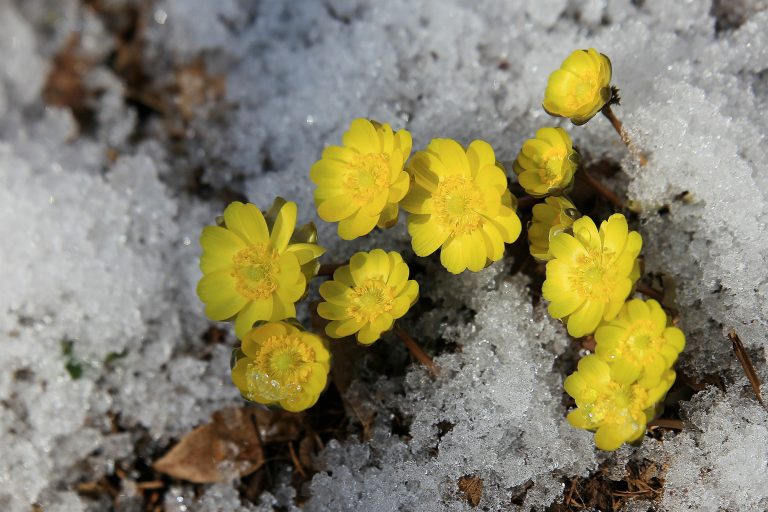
101 253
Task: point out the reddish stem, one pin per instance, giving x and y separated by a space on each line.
417 351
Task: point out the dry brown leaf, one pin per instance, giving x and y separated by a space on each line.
746 364
472 487
64 86
197 87
230 444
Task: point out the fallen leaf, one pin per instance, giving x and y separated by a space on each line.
229 445
472 487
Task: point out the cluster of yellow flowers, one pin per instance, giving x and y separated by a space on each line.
257 266
457 199
591 272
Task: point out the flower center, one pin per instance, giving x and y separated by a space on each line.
458 202
281 367
594 278
368 175
255 271
370 300
551 166
619 404
641 344
586 91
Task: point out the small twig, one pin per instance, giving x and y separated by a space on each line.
154 484
608 112
601 189
746 363
667 423
327 269
417 351
649 292
296 461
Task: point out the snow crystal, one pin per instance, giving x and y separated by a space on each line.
102 332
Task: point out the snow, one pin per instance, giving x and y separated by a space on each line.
99 246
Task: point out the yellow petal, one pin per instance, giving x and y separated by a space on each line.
480 154
252 339
335 292
452 156
475 250
284 225
217 291
328 173
399 188
614 233
305 252
508 224
219 247
239 375
344 276
564 246
389 216
610 437
386 137
494 245
331 311
564 304
452 256
254 311
362 137
426 170
339 153
585 231
491 176
247 222
585 320
637 310
404 141
336 209
426 234
342 329
359 224
282 309
417 200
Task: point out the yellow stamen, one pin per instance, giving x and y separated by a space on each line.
368 175
255 271
370 300
457 202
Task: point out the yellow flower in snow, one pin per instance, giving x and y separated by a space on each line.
553 216
618 412
580 88
360 184
281 364
638 344
547 163
256 268
459 201
592 272
367 296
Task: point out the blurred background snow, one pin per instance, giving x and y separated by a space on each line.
127 125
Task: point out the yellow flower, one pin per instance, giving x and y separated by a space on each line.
281 364
553 216
618 412
592 273
367 296
459 200
360 184
546 164
256 268
638 345
580 88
